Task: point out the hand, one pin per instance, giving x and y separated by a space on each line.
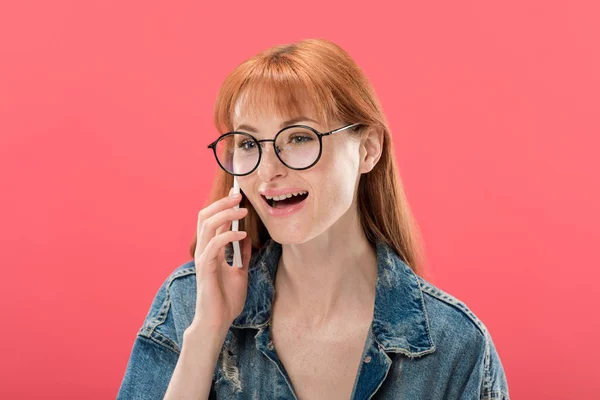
221 288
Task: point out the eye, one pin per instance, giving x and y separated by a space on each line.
300 138
246 144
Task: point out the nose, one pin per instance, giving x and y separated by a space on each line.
270 166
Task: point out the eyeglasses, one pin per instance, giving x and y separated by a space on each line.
298 147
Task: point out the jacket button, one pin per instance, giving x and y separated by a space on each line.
270 345
367 359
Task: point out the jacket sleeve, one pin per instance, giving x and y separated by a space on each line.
157 344
493 384
149 370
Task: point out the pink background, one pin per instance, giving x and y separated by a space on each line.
106 111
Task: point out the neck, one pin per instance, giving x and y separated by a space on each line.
328 277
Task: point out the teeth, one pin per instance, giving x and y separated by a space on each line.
285 196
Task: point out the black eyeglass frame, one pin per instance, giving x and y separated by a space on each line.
320 135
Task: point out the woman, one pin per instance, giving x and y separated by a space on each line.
330 302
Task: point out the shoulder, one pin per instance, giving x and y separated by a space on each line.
446 308
453 326
172 308
458 331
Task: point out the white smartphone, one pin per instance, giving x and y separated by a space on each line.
237 254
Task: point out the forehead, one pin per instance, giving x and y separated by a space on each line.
275 110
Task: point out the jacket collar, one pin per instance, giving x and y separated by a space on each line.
400 321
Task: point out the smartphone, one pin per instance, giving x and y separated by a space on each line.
237 254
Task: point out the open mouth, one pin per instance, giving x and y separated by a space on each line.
285 203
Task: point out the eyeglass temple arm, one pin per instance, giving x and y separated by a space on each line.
340 129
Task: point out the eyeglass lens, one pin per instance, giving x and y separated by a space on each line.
297 147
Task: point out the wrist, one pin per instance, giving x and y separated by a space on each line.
203 336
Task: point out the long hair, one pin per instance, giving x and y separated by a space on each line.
337 89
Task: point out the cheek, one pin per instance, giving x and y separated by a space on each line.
247 190
333 183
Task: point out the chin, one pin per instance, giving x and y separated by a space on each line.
287 237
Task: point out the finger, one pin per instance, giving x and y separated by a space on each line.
219 205
208 228
225 227
216 243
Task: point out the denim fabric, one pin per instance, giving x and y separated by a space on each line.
423 342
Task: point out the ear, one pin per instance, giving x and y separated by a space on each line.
371 145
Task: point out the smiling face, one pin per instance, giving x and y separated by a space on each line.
331 183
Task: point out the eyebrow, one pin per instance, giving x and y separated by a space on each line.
292 121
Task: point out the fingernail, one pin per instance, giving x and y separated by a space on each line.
235 196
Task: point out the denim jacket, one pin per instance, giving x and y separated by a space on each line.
423 342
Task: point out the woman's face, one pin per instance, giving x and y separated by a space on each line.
331 183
